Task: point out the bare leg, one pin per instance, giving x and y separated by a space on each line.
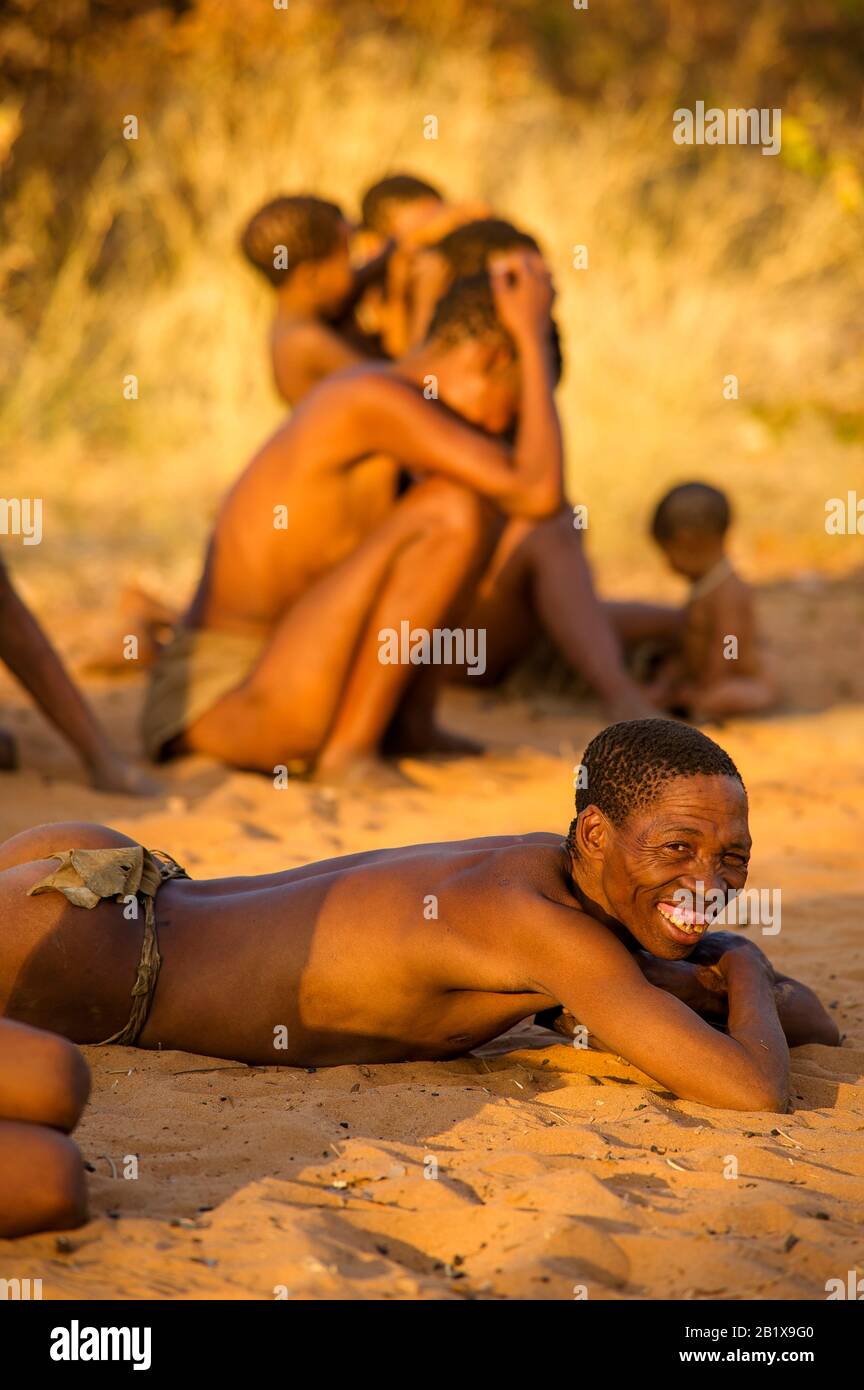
739 695
319 684
539 579
640 622
41 1181
44 1083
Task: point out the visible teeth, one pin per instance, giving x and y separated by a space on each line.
683 919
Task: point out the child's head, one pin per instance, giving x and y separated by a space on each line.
302 241
690 525
467 249
398 205
483 377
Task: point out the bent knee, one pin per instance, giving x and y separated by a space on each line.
52 1078
453 509
62 1186
66 1086
49 1191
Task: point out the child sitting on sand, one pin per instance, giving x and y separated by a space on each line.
720 669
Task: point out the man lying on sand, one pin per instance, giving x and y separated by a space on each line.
430 950
313 556
44 1084
27 652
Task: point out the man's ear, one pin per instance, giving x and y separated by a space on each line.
592 833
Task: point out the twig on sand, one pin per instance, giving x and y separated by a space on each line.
190 1071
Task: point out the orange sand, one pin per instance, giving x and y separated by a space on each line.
555 1168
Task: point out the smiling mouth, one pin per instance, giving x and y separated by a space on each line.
686 924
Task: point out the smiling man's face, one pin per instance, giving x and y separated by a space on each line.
693 836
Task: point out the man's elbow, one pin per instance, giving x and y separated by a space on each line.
747 1092
769 1098
534 503
758 1093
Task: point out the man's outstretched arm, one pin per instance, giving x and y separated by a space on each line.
603 986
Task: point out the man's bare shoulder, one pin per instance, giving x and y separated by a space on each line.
522 883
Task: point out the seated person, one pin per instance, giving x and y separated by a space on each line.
30 657
721 669
44 1084
538 580
301 246
428 951
314 554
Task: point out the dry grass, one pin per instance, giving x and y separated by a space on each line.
702 264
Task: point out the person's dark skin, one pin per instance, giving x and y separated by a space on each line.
31 658
305 342
700 677
347 962
44 1084
351 560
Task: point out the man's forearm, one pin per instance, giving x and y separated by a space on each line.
802 1017
538 453
754 1024
31 658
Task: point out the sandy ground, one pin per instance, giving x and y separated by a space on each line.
532 1170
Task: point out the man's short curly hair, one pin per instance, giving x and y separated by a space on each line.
468 311
309 228
386 193
467 248
627 764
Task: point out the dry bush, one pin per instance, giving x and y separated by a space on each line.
702 262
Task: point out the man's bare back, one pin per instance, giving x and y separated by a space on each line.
429 950
381 956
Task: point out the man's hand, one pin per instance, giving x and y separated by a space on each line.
713 958
523 292
701 988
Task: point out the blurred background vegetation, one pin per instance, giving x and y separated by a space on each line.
120 256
